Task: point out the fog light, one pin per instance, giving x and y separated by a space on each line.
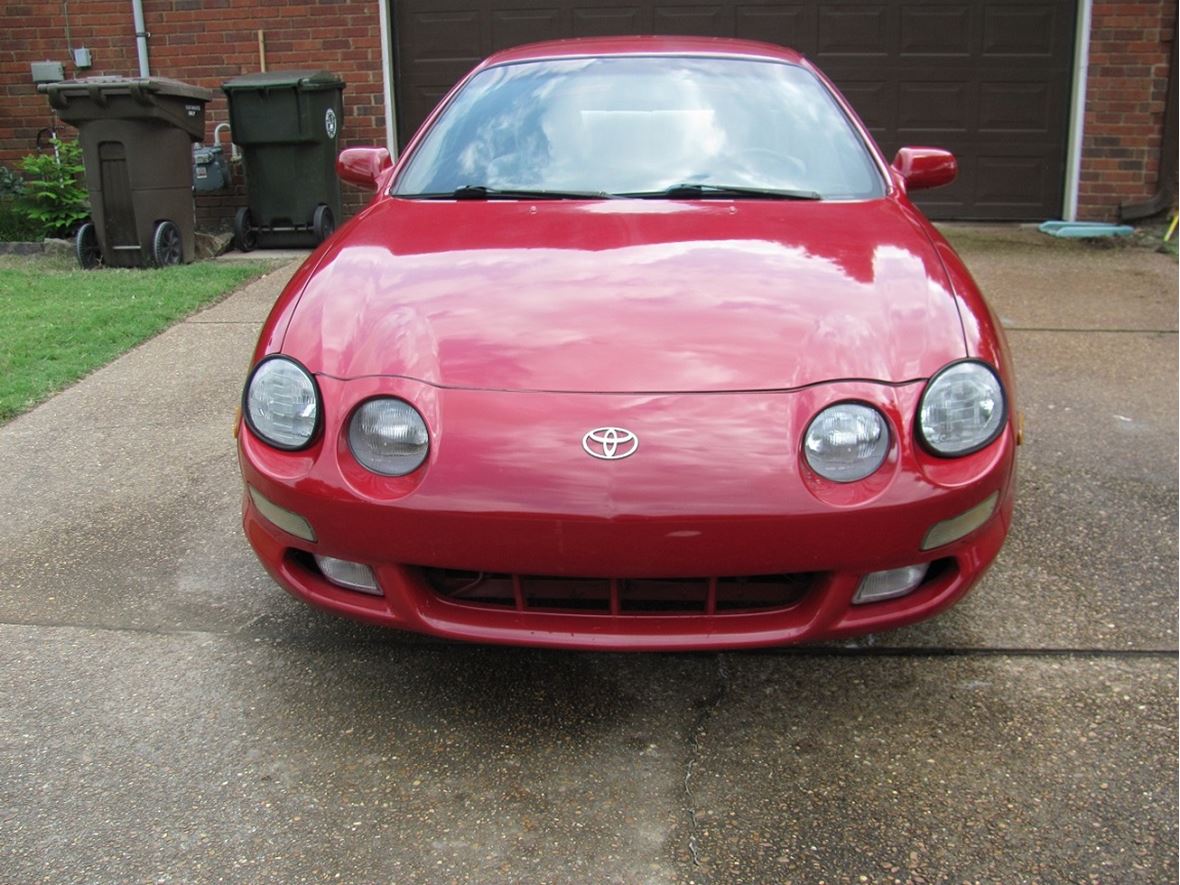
889 584
351 575
964 524
289 522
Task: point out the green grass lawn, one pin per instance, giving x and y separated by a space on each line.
58 323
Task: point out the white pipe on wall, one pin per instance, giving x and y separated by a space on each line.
383 19
141 35
1077 112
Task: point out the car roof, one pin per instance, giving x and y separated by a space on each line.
645 45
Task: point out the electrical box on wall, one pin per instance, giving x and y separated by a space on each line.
82 58
48 71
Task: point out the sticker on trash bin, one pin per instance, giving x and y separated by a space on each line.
330 123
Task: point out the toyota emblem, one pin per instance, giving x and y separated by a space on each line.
610 443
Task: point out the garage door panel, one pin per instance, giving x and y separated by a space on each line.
853 30
791 25
444 35
986 79
1024 108
513 27
594 22
935 31
940 108
1029 30
694 21
1007 183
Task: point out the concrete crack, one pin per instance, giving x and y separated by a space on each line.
708 709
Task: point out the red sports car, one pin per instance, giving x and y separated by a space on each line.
640 345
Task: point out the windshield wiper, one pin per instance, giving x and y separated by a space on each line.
694 191
483 192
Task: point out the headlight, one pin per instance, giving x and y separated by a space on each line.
388 436
962 409
846 442
282 403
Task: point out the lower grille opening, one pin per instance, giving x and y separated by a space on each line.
939 569
621 595
762 591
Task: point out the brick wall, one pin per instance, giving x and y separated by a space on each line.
1125 95
204 42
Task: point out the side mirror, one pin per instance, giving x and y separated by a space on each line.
363 166
923 167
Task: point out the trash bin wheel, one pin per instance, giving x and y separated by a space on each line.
322 223
86 247
245 233
167 245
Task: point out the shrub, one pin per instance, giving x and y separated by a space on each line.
11 184
54 196
15 225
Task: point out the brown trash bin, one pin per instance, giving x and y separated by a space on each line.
136 136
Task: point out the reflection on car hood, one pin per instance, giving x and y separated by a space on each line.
628 296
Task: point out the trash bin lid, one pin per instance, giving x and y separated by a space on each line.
133 85
305 81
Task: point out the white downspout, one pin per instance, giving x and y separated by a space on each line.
141 38
1077 112
387 76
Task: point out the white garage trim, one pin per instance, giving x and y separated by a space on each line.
1077 112
384 18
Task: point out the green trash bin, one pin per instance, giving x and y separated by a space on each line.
136 136
287 124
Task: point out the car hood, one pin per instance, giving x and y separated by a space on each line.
630 296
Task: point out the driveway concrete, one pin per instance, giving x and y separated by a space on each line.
167 714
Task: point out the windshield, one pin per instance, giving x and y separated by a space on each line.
643 126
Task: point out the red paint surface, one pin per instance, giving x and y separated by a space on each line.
629 295
715 330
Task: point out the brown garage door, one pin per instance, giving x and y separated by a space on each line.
986 79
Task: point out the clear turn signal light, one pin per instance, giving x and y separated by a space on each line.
890 584
347 574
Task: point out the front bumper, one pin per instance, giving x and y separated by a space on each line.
508 490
